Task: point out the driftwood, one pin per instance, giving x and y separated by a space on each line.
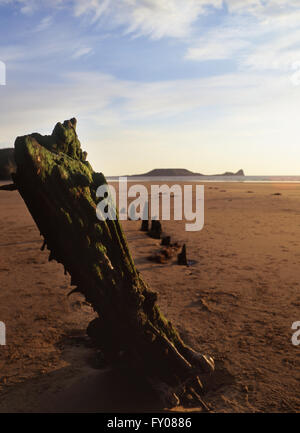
59 189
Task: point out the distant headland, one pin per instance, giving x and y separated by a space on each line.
165 172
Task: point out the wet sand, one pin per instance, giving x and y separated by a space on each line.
237 303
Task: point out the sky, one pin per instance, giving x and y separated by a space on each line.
207 85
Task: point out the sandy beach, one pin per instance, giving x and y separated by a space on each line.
237 303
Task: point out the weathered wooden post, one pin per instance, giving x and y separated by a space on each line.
155 230
59 189
181 258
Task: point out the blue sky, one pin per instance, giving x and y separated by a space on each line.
207 85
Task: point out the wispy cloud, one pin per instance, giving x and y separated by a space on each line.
44 24
91 95
124 114
217 46
255 35
28 7
152 18
82 51
239 37
157 19
261 7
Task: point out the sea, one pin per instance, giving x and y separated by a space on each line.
244 179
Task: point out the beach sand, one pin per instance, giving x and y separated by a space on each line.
237 303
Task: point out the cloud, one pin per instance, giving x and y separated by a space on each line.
280 53
256 35
152 18
32 50
261 7
82 51
216 47
28 7
44 24
236 111
91 95
156 18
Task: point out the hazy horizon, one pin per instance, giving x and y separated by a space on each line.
208 85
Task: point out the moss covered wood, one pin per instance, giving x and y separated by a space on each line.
59 188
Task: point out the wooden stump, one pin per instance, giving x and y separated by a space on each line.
59 188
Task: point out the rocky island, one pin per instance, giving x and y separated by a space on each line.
182 172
